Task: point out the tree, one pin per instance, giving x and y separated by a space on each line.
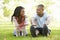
7 12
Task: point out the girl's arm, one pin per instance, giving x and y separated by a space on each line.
15 22
25 23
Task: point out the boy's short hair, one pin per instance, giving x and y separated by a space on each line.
40 5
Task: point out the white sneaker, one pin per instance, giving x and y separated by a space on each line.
16 35
48 34
37 32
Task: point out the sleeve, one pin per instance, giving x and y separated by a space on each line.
15 22
47 19
26 21
33 21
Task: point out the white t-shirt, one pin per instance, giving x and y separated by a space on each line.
40 21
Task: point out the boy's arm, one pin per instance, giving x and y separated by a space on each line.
34 22
47 20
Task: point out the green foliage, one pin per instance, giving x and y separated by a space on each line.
6 1
7 12
47 4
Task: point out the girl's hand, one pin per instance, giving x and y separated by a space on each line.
22 24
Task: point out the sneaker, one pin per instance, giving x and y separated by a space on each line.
37 32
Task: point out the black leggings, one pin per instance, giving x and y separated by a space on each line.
42 31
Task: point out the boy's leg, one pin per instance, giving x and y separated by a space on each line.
45 30
48 33
32 30
37 32
40 30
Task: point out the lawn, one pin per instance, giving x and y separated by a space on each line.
6 33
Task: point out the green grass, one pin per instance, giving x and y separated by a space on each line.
6 33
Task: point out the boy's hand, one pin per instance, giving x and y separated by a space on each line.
44 25
35 26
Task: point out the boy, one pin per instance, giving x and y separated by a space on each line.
39 22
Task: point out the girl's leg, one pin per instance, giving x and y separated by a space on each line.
20 31
24 31
17 32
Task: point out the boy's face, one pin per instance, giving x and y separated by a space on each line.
22 12
40 10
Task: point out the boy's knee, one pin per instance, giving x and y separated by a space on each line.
32 30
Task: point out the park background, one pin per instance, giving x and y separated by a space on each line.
7 7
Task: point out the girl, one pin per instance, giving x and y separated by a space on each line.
20 21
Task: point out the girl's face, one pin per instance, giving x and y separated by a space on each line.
22 12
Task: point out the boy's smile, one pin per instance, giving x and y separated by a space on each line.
40 10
